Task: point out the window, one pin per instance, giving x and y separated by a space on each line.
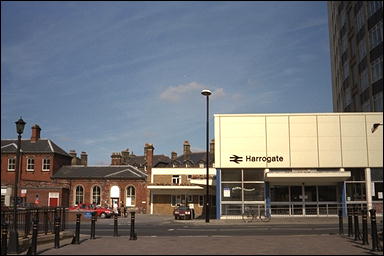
175 200
378 102
131 196
11 164
356 191
30 164
201 165
96 195
374 6
376 35
377 69
46 164
346 70
377 191
201 201
344 44
364 83
348 96
190 198
176 179
360 18
362 50
79 195
366 106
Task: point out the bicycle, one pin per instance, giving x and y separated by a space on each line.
250 215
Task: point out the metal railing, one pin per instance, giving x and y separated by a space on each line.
25 216
235 211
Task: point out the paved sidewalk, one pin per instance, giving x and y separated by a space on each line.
237 245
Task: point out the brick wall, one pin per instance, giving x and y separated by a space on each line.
162 205
106 185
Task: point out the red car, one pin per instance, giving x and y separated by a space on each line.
100 211
182 212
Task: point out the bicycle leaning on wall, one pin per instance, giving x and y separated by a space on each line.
251 213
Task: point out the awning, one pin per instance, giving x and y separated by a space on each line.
307 177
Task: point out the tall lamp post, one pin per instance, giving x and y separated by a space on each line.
207 206
13 245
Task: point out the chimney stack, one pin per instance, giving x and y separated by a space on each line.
148 154
35 133
173 156
84 158
116 158
72 153
186 150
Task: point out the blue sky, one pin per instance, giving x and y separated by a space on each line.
101 77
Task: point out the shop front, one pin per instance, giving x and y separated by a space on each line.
297 164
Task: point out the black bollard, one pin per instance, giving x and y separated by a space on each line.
115 232
375 242
341 228
33 248
350 224
4 234
63 220
356 220
57 231
46 221
93 222
365 225
132 235
77 231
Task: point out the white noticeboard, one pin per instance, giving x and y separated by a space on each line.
380 195
227 192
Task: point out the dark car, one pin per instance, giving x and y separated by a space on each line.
182 212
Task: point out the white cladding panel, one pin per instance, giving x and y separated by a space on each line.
323 140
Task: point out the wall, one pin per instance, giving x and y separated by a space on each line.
318 140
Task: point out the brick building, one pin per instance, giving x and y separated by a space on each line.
39 160
105 185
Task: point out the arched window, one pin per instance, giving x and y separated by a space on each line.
96 195
79 198
131 196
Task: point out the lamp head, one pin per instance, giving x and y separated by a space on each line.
206 92
20 126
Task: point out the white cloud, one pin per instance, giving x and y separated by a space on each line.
177 93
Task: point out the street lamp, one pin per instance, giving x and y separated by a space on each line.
374 127
13 245
207 93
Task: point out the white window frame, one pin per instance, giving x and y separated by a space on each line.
82 196
93 194
30 164
176 179
131 195
13 159
45 164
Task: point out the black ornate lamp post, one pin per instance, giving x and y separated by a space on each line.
13 245
207 206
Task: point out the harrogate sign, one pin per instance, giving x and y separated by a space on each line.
269 159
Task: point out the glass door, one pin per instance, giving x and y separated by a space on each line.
296 200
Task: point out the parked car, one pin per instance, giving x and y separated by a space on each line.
183 212
102 212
